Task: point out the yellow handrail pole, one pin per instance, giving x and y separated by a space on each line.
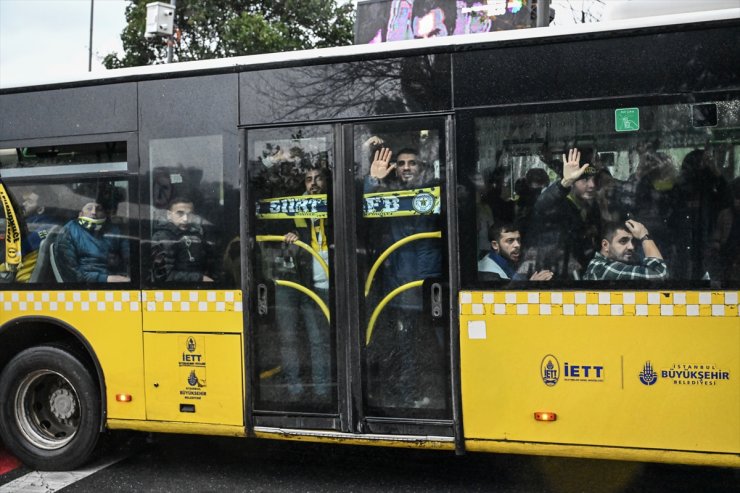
13 255
381 305
301 244
271 372
303 289
393 248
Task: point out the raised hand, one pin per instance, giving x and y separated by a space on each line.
571 169
372 141
637 230
542 275
381 165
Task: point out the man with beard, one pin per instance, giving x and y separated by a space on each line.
617 259
407 353
314 232
503 259
419 259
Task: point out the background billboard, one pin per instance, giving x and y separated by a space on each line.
379 21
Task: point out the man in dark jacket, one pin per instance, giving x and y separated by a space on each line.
421 259
406 344
315 232
567 219
180 251
91 249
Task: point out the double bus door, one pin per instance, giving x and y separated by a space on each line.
349 303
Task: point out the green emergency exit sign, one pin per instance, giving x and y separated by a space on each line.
627 119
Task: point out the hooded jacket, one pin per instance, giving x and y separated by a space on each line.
86 256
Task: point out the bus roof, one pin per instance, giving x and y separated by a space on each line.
397 48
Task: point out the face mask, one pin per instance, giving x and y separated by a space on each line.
91 224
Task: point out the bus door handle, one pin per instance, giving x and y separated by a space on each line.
436 300
261 299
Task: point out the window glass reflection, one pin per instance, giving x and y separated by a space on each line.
190 240
74 232
576 195
290 187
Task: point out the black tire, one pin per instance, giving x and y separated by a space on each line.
49 409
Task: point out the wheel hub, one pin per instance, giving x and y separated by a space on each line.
62 404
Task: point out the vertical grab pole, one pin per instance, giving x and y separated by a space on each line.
543 13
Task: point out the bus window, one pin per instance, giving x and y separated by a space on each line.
400 173
290 187
189 237
63 159
74 232
589 195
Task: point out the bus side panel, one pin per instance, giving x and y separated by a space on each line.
634 369
667 63
194 354
194 378
108 108
218 311
110 321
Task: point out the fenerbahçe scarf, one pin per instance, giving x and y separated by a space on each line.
12 232
396 203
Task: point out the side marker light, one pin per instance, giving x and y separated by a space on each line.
545 416
124 397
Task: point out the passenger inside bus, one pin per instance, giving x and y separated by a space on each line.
528 189
567 219
180 250
484 214
505 256
688 209
38 224
402 346
617 260
91 249
293 337
725 241
316 233
701 194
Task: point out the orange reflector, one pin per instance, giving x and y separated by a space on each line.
123 397
545 416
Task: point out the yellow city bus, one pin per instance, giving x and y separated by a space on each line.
391 246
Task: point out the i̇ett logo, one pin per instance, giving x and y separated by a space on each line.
550 370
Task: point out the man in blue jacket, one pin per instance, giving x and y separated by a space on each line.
506 253
92 250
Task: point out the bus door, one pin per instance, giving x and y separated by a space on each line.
348 285
401 268
291 281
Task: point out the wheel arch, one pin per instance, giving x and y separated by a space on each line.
25 332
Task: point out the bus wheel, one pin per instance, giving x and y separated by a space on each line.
49 409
